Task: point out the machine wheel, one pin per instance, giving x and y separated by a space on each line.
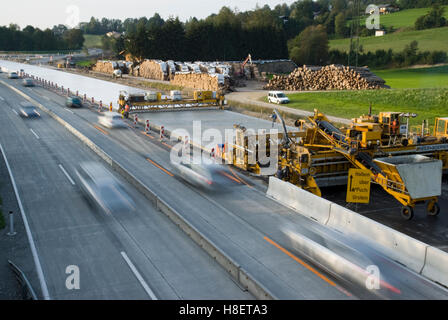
433 209
407 213
405 142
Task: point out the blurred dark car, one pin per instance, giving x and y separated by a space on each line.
102 189
73 102
28 111
28 82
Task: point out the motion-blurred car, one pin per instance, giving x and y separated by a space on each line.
28 111
207 176
111 120
102 189
28 82
73 102
13 75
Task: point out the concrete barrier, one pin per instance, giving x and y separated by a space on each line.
396 245
298 199
247 281
436 266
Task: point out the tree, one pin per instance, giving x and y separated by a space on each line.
433 19
340 25
74 39
310 47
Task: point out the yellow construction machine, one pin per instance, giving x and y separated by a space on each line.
156 101
320 154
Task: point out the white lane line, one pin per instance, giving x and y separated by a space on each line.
69 110
15 112
35 134
67 175
40 273
46 98
138 276
1 98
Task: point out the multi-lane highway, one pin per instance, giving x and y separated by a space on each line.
244 223
110 250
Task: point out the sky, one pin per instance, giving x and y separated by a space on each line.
47 13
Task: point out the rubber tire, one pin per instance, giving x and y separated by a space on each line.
407 213
436 210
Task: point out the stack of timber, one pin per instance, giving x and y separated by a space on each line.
331 77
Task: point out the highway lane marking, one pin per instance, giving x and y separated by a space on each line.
167 145
69 110
239 178
35 134
1 98
160 167
146 134
230 177
307 266
15 112
66 174
103 131
139 276
40 273
46 98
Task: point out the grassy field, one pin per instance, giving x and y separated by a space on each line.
403 19
433 77
427 102
430 40
92 41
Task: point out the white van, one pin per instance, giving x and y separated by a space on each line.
277 97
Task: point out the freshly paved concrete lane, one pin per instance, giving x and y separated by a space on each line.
245 223
68 231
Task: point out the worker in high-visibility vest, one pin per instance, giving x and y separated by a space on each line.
126 111
394 127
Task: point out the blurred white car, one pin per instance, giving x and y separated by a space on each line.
103 189
111 120
207 176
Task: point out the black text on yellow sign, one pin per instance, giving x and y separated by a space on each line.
358 186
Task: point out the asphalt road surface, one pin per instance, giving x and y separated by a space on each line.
243 221
109 250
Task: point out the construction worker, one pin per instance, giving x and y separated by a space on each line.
394 127
126 111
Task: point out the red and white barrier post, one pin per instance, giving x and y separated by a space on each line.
100 106
135 120
162 132
147 126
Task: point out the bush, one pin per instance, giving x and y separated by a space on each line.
433 19
385 59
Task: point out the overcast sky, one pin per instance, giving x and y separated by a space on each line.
46 13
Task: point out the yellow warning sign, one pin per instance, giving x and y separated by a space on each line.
358 186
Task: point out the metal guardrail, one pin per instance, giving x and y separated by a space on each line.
27 290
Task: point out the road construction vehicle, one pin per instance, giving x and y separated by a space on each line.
320 154
156 101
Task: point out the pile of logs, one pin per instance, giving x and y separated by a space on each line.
104 67
150 69
332 77
201 81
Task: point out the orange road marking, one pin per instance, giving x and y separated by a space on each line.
306 265
239 179
103 131
161 168
167 145
148 135
230 177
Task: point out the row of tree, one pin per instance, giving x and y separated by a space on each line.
34 39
